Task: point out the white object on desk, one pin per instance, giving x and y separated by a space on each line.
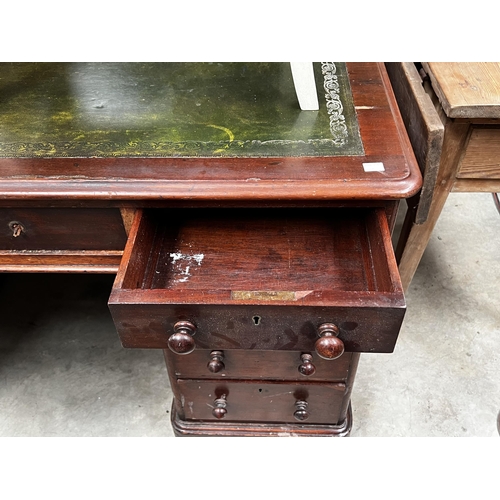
305 85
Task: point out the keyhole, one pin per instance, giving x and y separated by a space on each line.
256 320
16 228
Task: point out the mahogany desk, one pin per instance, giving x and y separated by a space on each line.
258 254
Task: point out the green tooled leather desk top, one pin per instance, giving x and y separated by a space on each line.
56 110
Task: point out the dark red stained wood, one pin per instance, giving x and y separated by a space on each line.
269 365
61 239
243 179
223 428
62 229
320 264
61 261
341 408
253 401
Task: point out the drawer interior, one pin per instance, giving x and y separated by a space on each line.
259 279
262 254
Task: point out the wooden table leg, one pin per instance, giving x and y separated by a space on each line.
455 139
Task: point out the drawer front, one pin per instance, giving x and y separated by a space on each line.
261 401
361 329
482 156
237 364
61 229
259 280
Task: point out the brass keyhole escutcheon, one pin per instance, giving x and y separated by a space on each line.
16 227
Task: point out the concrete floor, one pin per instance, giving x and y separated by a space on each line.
63 371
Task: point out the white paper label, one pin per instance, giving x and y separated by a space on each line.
374 167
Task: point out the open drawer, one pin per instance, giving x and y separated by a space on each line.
264 279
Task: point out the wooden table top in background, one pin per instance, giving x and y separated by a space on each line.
467 90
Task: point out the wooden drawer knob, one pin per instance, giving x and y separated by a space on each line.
329 346
301 412
220 407
306 367
215 364
181 341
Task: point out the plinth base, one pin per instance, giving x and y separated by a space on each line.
240 429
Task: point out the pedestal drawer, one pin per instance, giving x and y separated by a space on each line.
278 365
258 280
61 229
250 401
61 239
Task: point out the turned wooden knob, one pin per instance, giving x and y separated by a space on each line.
306 367
329 346
220 407
215 364
301 412
181 341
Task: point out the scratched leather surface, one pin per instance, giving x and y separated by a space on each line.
172 109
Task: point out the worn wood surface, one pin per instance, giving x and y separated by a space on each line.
61 229
482 156
258 401
252 364
467 89
467 100
364 294
476 186
352 279
258 180
127 218
258 429
424 128
61 240
455 139
172 109
242 427
60 261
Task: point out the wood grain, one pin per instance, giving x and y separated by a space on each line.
336 269
482 156
258 429
269 365
423 125
60 261
141 180
257 401
62 229
455 139
467 89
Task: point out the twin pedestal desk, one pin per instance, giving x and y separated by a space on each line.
251 240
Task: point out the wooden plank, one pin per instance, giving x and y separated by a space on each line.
60 261
465 89
127 217
62 268
476 186
425 129
455 138
482 157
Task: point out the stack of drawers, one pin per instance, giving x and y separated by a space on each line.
261 313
